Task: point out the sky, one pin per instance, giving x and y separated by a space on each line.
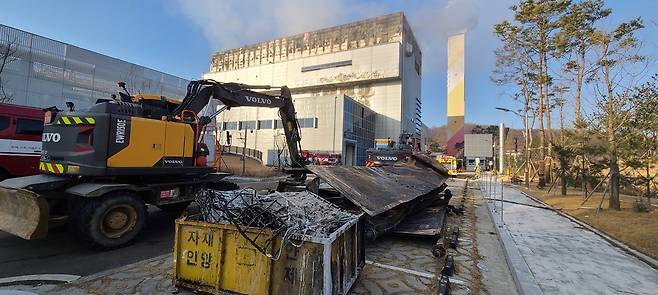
178 37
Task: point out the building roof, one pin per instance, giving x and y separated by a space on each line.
365 33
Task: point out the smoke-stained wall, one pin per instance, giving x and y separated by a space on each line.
377 62
455 95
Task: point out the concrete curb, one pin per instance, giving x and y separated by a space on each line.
523 278
64 278
619 244
119 269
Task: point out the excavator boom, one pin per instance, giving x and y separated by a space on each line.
231 95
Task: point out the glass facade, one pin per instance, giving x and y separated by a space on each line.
42 72
358 127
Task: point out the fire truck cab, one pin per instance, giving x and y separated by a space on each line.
21 129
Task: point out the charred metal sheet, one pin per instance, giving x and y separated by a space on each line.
378 189
428 222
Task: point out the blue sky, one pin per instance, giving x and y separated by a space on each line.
177 36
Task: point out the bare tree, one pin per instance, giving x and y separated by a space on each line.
8 54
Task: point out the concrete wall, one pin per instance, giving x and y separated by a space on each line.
478 145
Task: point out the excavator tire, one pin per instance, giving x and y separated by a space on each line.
111 221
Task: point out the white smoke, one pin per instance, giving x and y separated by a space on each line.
234 23
435 21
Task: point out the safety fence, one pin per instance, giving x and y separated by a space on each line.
253 153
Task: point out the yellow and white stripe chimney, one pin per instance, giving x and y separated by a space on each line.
455 95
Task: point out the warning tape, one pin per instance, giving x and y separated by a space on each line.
51 167
75 120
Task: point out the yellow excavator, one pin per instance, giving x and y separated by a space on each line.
100 167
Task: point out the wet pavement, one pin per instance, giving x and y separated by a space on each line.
550 254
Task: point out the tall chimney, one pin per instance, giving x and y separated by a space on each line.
455 95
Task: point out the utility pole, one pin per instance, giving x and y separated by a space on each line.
244 151
527 150
501 152
501 203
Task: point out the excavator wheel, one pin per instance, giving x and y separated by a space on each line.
111 221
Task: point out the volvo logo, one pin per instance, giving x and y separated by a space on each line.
51 137
260 100
387 158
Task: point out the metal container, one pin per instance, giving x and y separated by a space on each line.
216 258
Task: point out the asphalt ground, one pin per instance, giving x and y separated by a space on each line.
61 253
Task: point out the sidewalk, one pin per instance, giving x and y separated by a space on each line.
550 254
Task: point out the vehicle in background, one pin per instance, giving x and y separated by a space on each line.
448 162
322 158
387 152
21 129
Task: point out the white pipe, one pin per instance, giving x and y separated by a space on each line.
501 144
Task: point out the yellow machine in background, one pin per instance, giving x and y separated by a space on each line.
448 162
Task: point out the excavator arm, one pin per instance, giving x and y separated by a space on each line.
231 95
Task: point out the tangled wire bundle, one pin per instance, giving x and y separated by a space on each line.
287 215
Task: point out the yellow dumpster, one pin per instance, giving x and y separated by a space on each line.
216 258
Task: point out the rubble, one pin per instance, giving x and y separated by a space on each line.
289 215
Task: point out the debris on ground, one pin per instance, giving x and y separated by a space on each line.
386 194
289 215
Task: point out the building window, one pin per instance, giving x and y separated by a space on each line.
29 127
230 125
308 123
278 124
247 125
4 122
327 66
265 124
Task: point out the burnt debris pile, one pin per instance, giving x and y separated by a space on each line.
262 218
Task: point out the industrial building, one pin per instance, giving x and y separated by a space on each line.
350 83
478 150
42 72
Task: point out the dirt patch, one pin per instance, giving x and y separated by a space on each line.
637 230
233 164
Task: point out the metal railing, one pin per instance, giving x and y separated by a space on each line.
252 153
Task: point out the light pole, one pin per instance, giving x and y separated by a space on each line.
244 150
501 147
526 139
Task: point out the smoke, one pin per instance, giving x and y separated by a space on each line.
434 22
445 19
234 23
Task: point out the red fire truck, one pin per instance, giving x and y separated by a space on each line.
20 140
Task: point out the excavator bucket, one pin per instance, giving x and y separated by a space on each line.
23 213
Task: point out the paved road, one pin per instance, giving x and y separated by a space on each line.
561 257
60 253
